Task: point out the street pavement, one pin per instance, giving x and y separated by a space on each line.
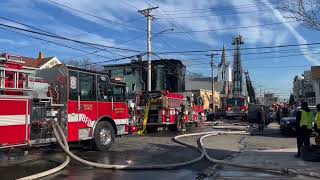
268 149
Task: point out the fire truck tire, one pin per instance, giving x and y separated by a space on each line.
104 136
152 129
173 127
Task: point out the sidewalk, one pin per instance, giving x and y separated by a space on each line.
265 155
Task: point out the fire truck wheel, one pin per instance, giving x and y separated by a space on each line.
104 136
173 127
152 129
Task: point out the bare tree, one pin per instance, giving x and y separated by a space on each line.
305 11
86 64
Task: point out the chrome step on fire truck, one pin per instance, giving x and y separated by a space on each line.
86 104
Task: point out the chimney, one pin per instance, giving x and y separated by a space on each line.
41 55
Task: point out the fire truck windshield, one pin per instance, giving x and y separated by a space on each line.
118 93
236 102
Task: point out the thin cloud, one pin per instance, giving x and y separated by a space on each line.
300 39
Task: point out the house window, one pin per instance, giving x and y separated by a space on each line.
124 72
128 71
133 87
133 71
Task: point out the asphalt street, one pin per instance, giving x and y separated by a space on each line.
149 149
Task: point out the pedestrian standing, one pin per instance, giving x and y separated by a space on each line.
261 119
304 121
317 126
317 120
285 111
278 114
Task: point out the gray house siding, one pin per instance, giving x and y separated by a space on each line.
166 75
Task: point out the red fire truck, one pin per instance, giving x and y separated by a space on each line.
237 107
158 109
86 104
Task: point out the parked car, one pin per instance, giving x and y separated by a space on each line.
288 124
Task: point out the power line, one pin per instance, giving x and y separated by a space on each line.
55 34
220 9
177 25
268 67
59 44
253 53
231 28
248 48
271 57
129 4
65 38
46 32
66 46
111 60
95 16
261 11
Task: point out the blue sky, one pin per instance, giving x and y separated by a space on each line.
171 14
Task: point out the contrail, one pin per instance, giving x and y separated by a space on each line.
300 39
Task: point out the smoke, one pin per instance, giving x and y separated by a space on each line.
300 39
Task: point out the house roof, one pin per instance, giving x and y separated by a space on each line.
170 62
35 63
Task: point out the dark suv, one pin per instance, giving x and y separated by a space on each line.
288 124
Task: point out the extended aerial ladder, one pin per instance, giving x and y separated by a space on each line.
250 89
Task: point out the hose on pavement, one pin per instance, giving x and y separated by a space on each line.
50 171
60 137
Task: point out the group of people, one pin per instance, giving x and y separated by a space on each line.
304 125
265 115
305 122
280 112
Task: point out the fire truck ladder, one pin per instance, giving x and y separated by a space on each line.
12 84
250 89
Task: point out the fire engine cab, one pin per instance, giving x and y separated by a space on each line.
86 104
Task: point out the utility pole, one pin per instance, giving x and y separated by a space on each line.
212 79
147 14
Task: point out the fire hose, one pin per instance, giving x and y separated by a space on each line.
60 137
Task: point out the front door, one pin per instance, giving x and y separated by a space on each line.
87 99
82 105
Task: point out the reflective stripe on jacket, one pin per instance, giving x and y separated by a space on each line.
306 119
318 120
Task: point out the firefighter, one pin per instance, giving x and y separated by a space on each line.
317 120
261 119
303 126
317 125
183 117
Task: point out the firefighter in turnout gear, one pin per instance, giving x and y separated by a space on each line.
182 120
304 121
317 125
